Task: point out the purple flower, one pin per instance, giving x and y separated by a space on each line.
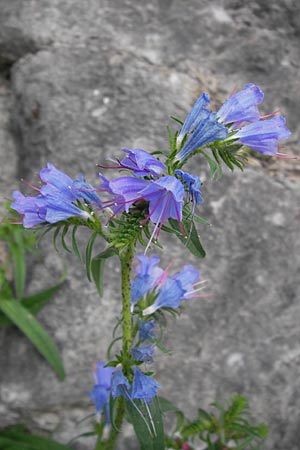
124 190
207 130
193 184
242 106
143 353
263 136
57 199
147 277
195 116
146 330
119 385
142 163
143 386
101 391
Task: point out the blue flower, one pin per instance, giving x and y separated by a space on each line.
142 163
119 385
86 192
207 130
263 136
187 278
143 353
195 116
242 106
193 184
143 386
147 277
57 200
101 391
146 330
125 192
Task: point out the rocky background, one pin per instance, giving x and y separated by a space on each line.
81 79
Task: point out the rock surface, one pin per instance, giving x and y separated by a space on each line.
80 80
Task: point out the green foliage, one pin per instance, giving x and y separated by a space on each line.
17 309
18 438
230 427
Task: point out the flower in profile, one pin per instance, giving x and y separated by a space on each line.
142 163
193 184
143 353
208 130
101 390
119 385
57 200
242 106
194 116
147 277
125 191
263 135
171 293
143 386
146 330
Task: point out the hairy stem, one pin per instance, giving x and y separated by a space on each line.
126 263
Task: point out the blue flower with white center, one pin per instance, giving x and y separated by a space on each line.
194 116
193 184
142 163
147 277
101 391
143 353
169 296
208 130
143 386
263 136
242 106
146 330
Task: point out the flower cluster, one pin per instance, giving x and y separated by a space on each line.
58 199
153 289
237 121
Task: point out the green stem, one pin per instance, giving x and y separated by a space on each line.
126 262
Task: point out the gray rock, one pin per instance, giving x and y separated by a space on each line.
81 80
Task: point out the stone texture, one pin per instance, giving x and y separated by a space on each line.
80 80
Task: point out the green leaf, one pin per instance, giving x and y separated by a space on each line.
147 422
63 235
27 323
168 407
88 254
18 255
33 303
16 438
74 243
191 239
97 266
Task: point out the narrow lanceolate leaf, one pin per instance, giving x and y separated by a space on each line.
191 239
16 438
74 243
63 241
18 255
88 255
97 267
34 332
147 422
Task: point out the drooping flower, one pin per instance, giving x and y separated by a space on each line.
143 353
263 135
208 130
143 386
119 385
101 390
142 163
242 106
57 199
146 330
147 276
193 184
194 116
